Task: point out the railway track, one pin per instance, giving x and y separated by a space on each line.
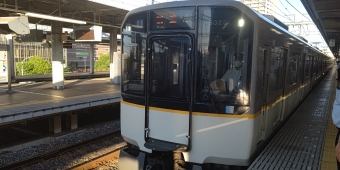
107 161
73 155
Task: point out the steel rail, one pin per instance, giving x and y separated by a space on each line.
56 152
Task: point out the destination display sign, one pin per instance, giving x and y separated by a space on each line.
173 18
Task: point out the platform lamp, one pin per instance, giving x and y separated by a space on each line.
54 18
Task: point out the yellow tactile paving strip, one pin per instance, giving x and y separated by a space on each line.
328 156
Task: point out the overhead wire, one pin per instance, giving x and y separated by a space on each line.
286 9
304 30
284 6
285 16
297 10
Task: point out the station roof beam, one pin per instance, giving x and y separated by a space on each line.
326 16
88 12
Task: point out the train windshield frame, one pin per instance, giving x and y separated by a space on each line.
221 61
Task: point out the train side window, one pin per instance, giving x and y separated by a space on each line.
313 66
292 66
307 66
317 65
274 75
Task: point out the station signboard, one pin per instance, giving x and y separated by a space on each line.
79 54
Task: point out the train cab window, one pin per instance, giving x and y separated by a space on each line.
224 56
133 54
292 65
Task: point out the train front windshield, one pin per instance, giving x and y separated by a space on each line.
222 40
224 57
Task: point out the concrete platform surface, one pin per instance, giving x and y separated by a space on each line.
31 100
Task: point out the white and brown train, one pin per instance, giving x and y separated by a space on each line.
209 81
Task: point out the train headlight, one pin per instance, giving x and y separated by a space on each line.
241 22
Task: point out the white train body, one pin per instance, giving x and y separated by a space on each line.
177 94
217 138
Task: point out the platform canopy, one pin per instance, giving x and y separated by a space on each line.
44 11
326 16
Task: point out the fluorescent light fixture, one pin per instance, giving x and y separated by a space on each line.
54 18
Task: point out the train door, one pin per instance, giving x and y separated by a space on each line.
312 72
264 69
273 87
168 76
281 55
301 73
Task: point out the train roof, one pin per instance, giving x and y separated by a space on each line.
233 3
287 32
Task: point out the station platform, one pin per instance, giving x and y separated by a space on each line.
33 99
306 141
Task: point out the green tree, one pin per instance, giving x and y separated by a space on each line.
103 63
72 66
35 65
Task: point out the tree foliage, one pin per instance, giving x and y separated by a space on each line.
103 63
72 66
35 65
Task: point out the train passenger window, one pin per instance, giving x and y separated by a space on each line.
313 65
224 52
301 59
307 65
292 65
276 68
133 54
